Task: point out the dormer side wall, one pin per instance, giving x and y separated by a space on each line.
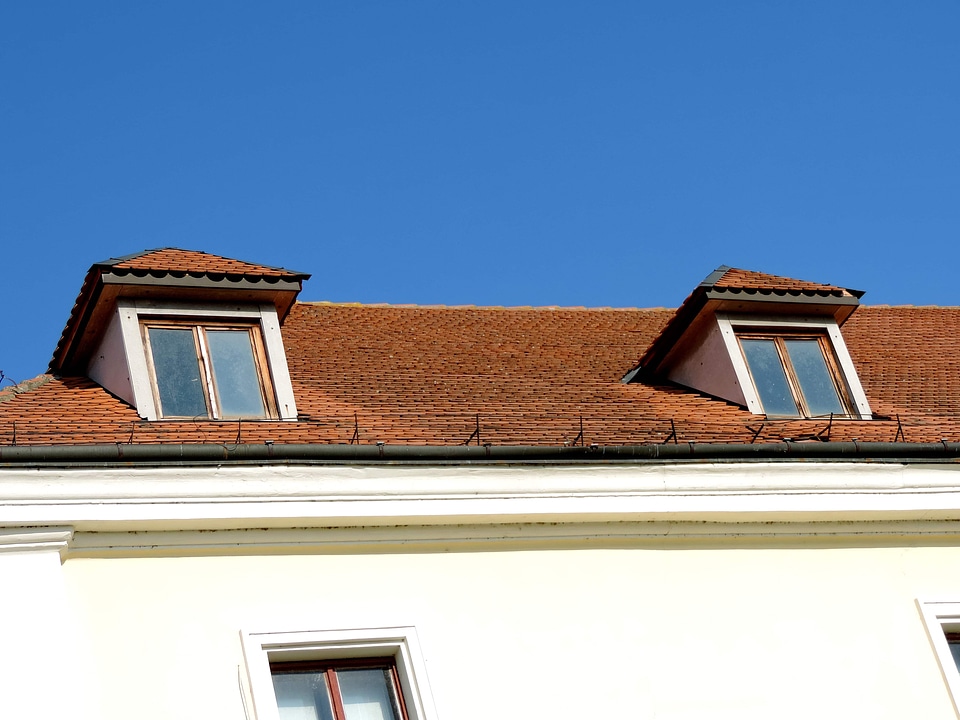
108 365
705 366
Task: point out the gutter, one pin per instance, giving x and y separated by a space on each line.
123 455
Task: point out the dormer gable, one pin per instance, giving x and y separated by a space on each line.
769 343
184 334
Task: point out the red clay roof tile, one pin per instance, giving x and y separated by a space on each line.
526 376
175 260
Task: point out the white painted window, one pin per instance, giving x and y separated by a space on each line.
206 361
793 368
352 674
942 620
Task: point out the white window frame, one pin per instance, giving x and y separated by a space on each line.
260 648
729 324
133 312
939 618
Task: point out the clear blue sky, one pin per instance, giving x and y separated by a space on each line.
502 153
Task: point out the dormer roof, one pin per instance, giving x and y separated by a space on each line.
170 274
735 290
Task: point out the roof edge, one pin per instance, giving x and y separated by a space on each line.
185 455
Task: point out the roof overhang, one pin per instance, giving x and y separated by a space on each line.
104 285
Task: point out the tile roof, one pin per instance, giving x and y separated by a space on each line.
192 262
737 279
524 376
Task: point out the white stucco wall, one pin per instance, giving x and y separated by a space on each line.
642 631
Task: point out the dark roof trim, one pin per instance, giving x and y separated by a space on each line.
119 455
207 280
110 262
794 297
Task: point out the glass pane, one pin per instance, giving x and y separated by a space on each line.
955 651
235 373
769 377
302 696
814 378
366 694
177 371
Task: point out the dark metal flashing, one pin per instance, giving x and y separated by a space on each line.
782 296
202 281
121 455
710 280
110 262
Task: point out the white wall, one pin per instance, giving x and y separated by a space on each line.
645 630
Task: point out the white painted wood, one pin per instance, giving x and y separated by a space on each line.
728 323
292 644
132 312
940 616
312 496
277 358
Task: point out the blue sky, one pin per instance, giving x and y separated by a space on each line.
491 153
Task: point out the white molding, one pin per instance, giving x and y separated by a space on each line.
401 642
131 311
729 322
236 497
36 539
940 616
525 536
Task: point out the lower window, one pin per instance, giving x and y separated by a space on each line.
361 689
352 674
942 621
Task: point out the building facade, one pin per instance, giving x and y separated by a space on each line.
221 502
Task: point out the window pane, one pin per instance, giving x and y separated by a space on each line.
366 695
177 371
814 377
769 376
235 373
302 696
955 651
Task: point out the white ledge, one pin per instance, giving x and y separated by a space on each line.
309 496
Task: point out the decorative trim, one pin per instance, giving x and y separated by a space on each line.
46 539
940 617
132 311
728 322
526 536
262 647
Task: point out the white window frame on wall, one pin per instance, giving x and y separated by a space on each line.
260 648
939 618
133 313
730 324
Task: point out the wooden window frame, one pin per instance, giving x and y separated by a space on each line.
779 336
941 619
330 669
278 646
205 364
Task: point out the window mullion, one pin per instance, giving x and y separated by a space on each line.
791 377
336 700
207 372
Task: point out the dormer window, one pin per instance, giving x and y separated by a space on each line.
768 343
181 334
795 375
216 371
797 368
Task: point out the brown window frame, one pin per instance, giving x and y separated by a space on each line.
779 337
205 365
329 669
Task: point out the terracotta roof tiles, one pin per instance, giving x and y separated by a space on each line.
735 278
175 260
524 376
